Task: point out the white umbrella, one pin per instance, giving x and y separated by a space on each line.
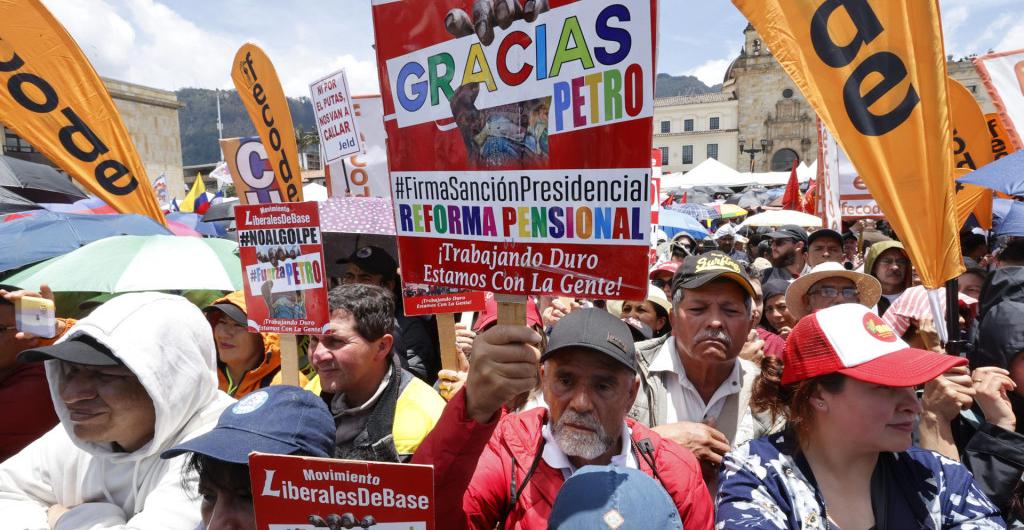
782 217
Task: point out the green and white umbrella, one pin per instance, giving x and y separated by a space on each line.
123 264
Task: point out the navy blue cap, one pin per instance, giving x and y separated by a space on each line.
613 497
280 420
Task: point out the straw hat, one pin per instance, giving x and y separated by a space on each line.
868 288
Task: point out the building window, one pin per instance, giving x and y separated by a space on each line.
312 160
16 144
713 151
664 156
973 88
787 93
688 125
666 127
713 124
687 154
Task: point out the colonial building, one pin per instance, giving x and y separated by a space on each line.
691 129
769 116
151 117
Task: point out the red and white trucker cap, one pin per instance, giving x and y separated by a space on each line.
857 343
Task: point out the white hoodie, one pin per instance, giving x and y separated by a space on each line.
167 343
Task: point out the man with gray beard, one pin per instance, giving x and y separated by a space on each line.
695 389
492 468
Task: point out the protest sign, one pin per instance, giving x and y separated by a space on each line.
829 201
335 118
1003 75
520 162
655 185
364 174
250 170
875 74
422 299
290 492
260 90
51 96
282 257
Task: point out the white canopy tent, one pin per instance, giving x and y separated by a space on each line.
711 172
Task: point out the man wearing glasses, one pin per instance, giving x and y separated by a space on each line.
830 284
789 243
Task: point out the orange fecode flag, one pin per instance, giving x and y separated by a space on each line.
876 75
971 149
51 96
261 93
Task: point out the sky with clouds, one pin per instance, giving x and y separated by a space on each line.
190 43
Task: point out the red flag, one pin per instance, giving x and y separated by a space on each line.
791 199
811 198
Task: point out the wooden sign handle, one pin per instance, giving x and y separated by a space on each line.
446 336
511 310
289 360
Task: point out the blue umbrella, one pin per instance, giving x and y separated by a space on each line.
673 222
699 212
195 222
47 234
1011 223
1005 175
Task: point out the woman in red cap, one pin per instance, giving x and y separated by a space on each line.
845 459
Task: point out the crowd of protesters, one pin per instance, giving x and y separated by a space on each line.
769 379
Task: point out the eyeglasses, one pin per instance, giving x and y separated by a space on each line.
660 283
902 262
781 241
849 293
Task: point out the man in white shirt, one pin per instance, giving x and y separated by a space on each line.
695 388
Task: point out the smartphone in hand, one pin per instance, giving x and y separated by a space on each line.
36 316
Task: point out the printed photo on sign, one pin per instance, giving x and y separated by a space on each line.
282 257
520 156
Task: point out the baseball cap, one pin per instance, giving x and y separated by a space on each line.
230 310
374 260
789 232
81 349
698 270
853 341
669 267
593 329
824 232
613 497
868 288
280 419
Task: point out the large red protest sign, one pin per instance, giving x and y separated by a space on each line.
520 156
282 255
293 493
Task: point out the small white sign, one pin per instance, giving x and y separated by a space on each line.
335 119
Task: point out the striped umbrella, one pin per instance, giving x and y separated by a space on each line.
124 264
727 211
697 211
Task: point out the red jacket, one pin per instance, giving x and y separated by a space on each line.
473 466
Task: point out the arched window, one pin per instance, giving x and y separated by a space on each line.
783 159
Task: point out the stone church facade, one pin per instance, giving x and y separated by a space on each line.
769 108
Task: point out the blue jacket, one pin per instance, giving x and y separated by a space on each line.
767 484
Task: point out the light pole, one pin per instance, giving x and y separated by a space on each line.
766 145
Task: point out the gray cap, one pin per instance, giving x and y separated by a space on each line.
593 329
793 232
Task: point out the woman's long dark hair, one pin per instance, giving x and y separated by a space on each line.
792 401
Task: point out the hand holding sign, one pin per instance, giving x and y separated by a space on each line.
487 13
504 366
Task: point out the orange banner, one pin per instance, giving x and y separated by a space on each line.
51 96
876 75
261 93
971 150
1001 145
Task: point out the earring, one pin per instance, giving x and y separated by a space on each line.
821 405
